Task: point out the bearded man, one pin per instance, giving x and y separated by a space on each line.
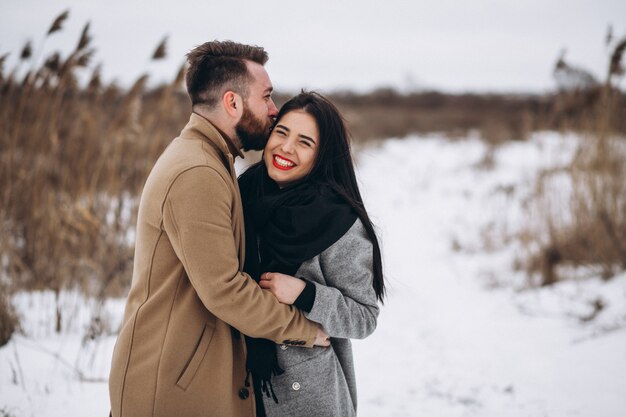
180 351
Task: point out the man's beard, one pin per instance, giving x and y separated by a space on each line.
252 132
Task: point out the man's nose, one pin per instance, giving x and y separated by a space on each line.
272 110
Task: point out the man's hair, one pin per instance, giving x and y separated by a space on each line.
219 66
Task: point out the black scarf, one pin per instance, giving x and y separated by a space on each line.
285 227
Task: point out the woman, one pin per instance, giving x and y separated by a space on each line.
305 217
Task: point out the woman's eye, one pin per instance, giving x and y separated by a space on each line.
306 143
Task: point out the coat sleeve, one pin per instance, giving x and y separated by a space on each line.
346 306
197 217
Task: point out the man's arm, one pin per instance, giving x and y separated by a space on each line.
346 307
197 217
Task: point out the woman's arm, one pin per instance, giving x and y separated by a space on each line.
346 306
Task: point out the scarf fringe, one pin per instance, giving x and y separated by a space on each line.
266 382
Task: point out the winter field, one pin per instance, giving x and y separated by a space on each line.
461 333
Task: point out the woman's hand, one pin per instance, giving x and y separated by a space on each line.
284 287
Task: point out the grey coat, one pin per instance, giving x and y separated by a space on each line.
321 381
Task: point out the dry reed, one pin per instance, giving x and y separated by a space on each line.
589 228
72 162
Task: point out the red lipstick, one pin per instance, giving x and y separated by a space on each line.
282 167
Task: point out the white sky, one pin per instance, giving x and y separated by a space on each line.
480 45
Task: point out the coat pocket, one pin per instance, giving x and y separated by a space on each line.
196 359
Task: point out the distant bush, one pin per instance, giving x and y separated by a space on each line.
589 228
497 118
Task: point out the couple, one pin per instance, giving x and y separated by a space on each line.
216 322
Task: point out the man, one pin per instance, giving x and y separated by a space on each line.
179 352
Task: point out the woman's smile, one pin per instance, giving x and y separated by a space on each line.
282 163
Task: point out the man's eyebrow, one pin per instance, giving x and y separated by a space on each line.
269 89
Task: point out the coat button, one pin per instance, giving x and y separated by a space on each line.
295 386
244 393
283 347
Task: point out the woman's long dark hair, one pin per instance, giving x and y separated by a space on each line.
334 166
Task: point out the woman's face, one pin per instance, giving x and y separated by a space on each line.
292 148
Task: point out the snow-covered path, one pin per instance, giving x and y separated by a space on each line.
446 344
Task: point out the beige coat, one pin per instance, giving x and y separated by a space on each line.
177 354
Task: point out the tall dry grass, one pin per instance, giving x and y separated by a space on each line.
588 229
73 159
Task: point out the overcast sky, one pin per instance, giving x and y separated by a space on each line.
479 45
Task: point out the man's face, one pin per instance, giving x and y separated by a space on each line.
259 110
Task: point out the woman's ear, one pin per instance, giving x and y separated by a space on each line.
233 104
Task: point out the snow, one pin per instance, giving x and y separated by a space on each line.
462 332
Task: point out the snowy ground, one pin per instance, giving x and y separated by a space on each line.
460 335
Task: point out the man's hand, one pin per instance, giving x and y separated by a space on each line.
322 339
284 287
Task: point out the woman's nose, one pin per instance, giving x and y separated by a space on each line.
288 146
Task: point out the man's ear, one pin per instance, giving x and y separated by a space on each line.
233 104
